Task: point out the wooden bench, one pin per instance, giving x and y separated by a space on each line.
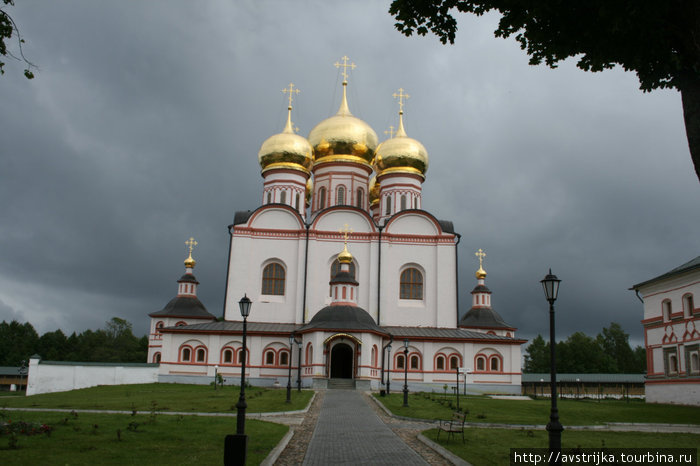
453 426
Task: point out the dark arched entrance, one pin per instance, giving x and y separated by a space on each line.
341 361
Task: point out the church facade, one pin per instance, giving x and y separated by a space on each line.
349 277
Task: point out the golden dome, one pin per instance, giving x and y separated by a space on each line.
401 154
345 257
189 262
309 191
343 138
481 273
286 150
374 188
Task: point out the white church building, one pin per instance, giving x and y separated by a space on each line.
341 257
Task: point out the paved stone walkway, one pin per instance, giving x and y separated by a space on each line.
349 432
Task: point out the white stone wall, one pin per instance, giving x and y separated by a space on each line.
681 393
49 377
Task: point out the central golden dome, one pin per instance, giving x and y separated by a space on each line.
286 150
343 138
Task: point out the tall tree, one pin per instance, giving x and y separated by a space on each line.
17 342
537 356
657 39
615 343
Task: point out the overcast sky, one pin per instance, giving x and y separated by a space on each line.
143 124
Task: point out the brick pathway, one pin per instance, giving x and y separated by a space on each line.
348 432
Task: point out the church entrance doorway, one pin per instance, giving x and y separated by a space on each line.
341 361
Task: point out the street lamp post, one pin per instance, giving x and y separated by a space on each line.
457 373
289 374
550 284
216 376
299 342
236 447
405 373
388 371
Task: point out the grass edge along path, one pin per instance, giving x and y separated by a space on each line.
483 409
164 397
486 447
88 438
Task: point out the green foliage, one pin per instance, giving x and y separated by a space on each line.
114 343
8 28
608 353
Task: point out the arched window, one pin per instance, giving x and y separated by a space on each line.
411 284
688 305
228 356
399 361
667 310
403 202
269 197
388 205
360 198
440 363
201 355
186 355
181 324
694 363
321 198
240 356
309 354
159 326
480 363
284 358
454 363
296 201
270 357
495 364
415 362
283 197
156 358
273 279
340 195
672 364
373 362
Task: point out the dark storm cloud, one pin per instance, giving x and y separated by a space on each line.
143 125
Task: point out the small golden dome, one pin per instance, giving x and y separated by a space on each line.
481 273
374 188
189 262
401 154
309 191
345 257
286 150
343 138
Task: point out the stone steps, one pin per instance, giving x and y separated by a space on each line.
341 384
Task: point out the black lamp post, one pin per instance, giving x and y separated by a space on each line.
388 371
216 376
289 374
236 447
405 373
299 342
550 283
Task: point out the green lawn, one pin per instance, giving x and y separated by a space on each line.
168 397
571 412
89 439
484 447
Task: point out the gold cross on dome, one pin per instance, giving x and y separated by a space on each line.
401 96
480 254
345 67
191 243
345 232
390 131
290 89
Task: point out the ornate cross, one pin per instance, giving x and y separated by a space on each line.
390 131
401 96
345 66
480 254
191 243
345 232
291 92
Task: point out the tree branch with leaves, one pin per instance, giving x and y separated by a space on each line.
8 29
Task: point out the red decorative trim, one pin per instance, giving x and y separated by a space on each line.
685 380
672 289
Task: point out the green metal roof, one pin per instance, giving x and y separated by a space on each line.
585 378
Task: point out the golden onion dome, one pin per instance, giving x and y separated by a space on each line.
190 262
401 154
481 273
345 257
343 138
309 191
286 150
374 188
